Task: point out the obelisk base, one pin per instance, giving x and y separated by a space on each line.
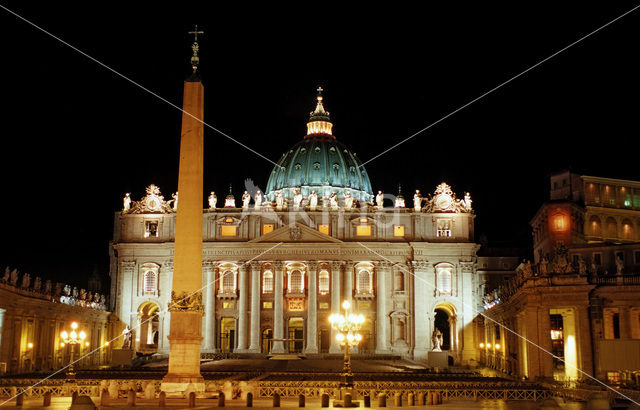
184 354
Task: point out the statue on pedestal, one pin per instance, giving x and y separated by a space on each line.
619 265
14 277
175 201
246 198
258 200
126 202
348 200
126 338
380 200
7 275
467 201
297 199
213 200
436 340
333 201
417 201
37 284
26 281
313 200
279 201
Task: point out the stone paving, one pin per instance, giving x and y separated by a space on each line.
60 403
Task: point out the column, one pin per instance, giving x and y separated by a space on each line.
382 320
335 302
210 307
348 282
278 311
243 301
254 338
421 319
312 311
584 340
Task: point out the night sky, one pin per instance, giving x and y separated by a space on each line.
76 137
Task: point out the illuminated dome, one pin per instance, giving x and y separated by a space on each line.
319 163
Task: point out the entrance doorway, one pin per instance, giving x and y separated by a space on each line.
296 334
325 340
267 340
227 334
147 335
442 323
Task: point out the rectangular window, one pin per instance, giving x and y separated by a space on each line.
363 230
266 228
324 229
228 305
620 255
636 257
267 305
151 229
323 282
444 228
324 305
615 321
597 258
228 230
398 230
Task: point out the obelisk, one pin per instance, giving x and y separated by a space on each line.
186 309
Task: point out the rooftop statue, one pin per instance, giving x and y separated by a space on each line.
380 200
313 200
246 199
348 200
297 199
258 200
213 200
417 201
126 202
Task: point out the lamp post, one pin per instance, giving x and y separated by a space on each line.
73 338
347 326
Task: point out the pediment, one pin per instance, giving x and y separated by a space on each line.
295 233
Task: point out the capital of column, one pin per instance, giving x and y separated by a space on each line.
278 265
256 265
312 265
420 265
208 265
384 265
336 265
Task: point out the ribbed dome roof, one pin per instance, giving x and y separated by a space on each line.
319 163
323 164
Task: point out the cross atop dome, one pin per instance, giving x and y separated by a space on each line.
319 120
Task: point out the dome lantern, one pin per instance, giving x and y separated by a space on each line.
319 120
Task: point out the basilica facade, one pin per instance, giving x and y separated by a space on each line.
277 264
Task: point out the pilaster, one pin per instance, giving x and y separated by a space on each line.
278 311
312 310
336 266
254 339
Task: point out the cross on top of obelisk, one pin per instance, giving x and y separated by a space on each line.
195 33
195 60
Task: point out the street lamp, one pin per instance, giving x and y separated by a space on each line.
73 338
347 326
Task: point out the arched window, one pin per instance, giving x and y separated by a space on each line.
228 282
296 282
443 279
149 279
612 228
323 282
594 225
364 285
627 230
267 282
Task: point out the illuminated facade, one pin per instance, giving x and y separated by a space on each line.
579 300
277 271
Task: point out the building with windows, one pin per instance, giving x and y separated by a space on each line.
276 266
579 300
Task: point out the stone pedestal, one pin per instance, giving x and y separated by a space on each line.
184 361
438 359
121 357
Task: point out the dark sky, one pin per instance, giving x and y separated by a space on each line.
76 137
